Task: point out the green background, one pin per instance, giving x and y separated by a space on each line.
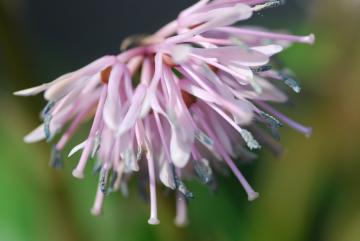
309 193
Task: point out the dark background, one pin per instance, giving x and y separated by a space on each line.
309 193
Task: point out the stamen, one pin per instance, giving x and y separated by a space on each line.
308 39
96 145
203 170
273 123
48 108
180 185
269 4
153 203
73 127
97 166
181 219
130 162
96 210
113 179
252 195
204 139
303 129
103 180
262 68
249 139
183 189
119 176
290 81
246 135
56 160
78 172
244 155
124 188
47 122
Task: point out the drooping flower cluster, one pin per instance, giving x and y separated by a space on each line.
183 102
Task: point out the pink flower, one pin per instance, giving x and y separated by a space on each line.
189 99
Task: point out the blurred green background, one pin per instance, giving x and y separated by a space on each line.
309 193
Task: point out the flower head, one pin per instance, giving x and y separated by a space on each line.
180 104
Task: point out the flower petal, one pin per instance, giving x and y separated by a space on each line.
33 91
77 148
61 87
112 106
211 19
166 176
36 135
180 147
151 91
134 111
64 84
234 54
269 50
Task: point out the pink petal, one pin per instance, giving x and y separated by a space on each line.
234 54
268 92
112 107
61 87
134 111
64 84
269 50
166 176
151 91
36 135
33 91
213 19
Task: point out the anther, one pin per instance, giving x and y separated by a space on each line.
269 4
56 161
288 78
262 68
250 140
203 170
48 108
47 122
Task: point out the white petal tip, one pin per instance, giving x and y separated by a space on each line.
35 136
20 93
32 91
78 174
77 148
180 53
180 163
49 96
253 196
153 221
29 140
